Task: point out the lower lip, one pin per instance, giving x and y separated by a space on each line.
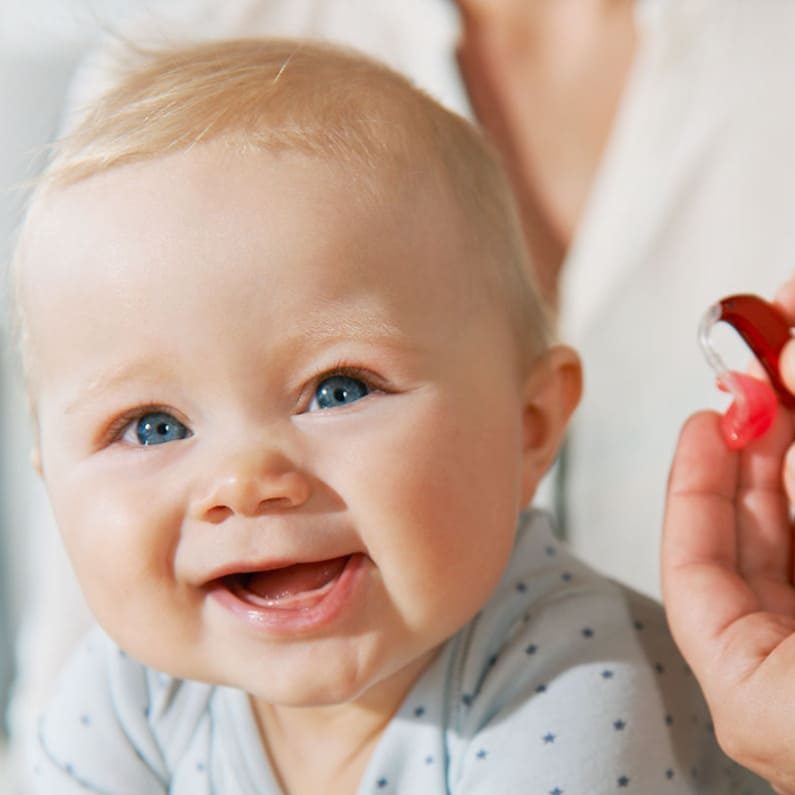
295 620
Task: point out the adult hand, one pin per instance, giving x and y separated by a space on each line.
728 582
786 298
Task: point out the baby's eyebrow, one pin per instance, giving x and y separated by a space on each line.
321 328
341 326
138 370
362 325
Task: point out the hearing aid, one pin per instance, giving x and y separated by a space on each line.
765 330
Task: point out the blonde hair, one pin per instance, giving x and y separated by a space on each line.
317 99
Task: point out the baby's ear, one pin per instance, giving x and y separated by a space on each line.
552 390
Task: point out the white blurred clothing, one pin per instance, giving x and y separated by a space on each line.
695 200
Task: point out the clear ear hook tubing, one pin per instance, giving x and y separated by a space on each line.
710 318
763 329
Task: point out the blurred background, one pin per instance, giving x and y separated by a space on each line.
41 42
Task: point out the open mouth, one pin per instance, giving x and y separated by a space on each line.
296 587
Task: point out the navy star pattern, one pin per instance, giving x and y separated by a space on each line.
610 677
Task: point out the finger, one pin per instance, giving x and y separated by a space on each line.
763 526
785 299
703 590
786 365
789 474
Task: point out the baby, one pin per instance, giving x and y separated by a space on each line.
292 389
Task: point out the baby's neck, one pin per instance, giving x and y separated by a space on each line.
327 749
309 759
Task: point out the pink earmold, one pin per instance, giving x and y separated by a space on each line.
751 413
765 330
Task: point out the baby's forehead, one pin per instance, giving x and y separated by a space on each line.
216 176
220 222
225 208
166 258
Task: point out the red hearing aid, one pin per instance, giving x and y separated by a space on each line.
765 330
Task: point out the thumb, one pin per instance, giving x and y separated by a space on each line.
702 590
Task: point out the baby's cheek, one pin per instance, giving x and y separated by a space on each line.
118 544
456 525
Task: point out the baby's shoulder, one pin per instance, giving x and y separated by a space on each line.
564 669
110 718
550 600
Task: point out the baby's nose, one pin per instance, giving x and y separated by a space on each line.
251 483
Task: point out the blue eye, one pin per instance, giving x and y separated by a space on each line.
338 390
158 427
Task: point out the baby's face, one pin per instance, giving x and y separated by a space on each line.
281 430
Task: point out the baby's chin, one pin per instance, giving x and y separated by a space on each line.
325 683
